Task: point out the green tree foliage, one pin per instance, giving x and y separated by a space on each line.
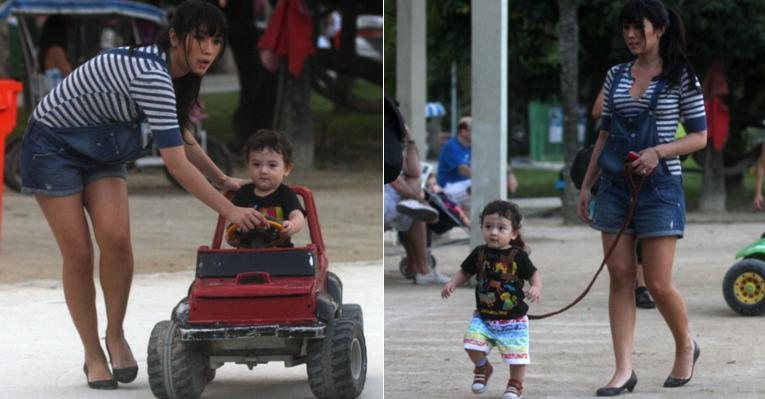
449 23
730 30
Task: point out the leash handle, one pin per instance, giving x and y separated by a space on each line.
634 190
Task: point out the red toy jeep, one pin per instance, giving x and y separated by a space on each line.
256 305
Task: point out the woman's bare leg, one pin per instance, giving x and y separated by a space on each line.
107 203
67 221
658 257
621 304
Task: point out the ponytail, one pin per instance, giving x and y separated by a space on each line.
518 243
672 49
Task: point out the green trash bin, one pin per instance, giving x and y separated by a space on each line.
546 131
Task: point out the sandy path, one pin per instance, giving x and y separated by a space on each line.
571 353
168 225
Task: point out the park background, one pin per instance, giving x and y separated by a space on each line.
336 124
571 353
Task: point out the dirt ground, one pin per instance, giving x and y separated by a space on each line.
571 353
168 224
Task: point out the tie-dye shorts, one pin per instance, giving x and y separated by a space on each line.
511 337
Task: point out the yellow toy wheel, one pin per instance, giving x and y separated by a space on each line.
744 287
749 288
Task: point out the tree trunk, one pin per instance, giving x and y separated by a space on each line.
258 86
569 72
5 52
293 114
713 187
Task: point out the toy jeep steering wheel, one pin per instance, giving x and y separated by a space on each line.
257 238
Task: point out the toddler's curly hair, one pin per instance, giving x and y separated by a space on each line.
265 139
510 211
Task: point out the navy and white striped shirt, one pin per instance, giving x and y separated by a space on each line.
112 88
674 103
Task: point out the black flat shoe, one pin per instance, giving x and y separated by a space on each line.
672 382
614 391
642 299
100 384
125 374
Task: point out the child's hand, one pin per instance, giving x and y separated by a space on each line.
533 293
288 229
448 289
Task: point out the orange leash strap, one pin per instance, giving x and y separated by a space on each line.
634 190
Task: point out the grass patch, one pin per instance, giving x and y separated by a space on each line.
535 183
541 183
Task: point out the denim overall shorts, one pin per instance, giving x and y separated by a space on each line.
660 207
61 161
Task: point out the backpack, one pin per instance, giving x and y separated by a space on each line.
579 168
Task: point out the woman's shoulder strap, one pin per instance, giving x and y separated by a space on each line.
133 52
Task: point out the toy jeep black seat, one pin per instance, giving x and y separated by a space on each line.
256 305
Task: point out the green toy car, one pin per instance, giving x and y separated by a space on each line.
744 283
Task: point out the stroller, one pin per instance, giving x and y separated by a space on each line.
448 218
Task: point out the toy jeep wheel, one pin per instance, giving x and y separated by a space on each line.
352 311
12 171
337 365
176 368
744 287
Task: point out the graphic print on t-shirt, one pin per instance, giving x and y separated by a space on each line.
498 292
274 211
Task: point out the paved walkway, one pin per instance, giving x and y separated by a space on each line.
571 353
42 355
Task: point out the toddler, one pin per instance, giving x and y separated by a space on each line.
500 318
268 156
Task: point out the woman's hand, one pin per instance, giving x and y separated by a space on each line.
647 162
232 184
583 206
246 218
758 201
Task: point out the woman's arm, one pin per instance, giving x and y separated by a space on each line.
209 169
758 179
650 157
593 171
597 107
192 180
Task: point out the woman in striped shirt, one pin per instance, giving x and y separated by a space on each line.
73 160
644 101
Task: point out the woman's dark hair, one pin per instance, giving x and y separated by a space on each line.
192 17
672 48
53 34
510 211
269 140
